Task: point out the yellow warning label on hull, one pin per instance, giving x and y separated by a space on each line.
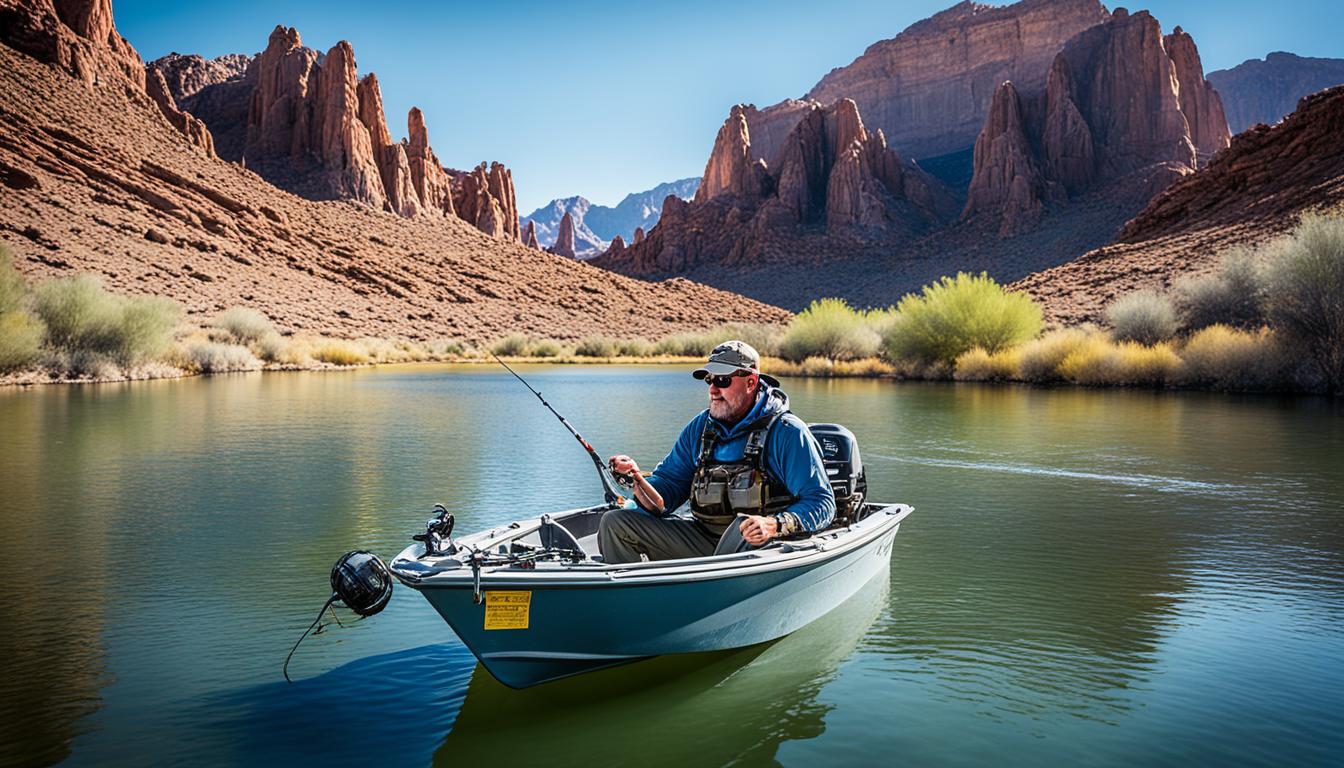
507 610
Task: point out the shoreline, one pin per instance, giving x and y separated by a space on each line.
872 368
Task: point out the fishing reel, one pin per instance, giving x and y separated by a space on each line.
438 535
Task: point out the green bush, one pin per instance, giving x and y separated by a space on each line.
1232 296
13 288
1304 293
1145 317
828 328
688 344
513 345
244 324
20 340
82 317
596 346
954 315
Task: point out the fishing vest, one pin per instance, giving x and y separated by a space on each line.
722 490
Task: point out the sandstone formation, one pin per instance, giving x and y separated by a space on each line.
530 236
639 235
835 183
616 247
188 75
307 123
1122 105
1250 193
1263 91
929 88
92 179
194 130
564 239
77 36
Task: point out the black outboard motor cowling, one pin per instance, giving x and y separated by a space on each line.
362 581
844 469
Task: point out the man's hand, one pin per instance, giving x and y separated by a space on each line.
623 465
758 529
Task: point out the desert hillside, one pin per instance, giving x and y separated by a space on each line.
95 178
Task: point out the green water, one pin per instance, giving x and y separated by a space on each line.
1090 578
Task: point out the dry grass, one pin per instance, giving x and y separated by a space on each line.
1227 359
979 365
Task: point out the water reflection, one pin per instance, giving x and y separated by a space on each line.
734 707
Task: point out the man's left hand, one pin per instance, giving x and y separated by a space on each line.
758 529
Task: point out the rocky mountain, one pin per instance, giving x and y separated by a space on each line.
1250 193
929 88
596 225
1123 104
307 123
95 178
835 183
1058 165
546 221
1263 91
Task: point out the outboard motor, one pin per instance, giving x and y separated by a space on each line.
360 580
844 469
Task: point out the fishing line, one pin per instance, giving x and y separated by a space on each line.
334 597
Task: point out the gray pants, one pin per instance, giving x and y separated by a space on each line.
626 534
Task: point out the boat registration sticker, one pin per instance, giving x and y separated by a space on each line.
507 610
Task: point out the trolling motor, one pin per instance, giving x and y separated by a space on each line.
361 581
438 535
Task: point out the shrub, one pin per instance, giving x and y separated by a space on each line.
687 344
1098 362
634 348
979 365
954 315
214 357
271 347
545 348
596 346
20 339
244 325
764 338
513 345
1146 317
1039 359
828 328
1304 293
340 352
77 312
82 317
13 288
1234 295
1225 358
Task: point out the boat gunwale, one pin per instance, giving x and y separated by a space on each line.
805 552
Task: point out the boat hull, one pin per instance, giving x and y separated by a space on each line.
578 627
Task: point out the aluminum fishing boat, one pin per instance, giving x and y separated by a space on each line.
534 601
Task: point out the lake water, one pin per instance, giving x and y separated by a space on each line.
1090 577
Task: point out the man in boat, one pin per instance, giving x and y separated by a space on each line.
750 469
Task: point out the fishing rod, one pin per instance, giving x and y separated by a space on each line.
603 472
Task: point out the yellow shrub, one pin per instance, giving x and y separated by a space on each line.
1224 358
979 365
340 352
1099 362
1039 359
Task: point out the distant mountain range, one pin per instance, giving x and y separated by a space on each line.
1265 90
596 225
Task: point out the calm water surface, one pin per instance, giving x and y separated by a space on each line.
1090 578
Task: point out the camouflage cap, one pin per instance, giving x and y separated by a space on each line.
731 357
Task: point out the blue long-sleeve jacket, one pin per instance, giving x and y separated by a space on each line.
791 457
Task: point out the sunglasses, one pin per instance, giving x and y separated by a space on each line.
724 381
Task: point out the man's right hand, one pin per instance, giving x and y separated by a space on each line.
623 465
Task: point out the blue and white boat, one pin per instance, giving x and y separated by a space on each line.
534 601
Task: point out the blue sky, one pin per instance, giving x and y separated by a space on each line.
605 98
